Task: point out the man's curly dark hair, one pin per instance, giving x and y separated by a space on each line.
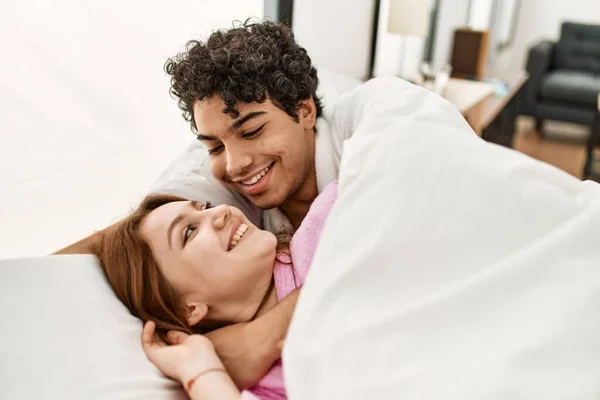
246 63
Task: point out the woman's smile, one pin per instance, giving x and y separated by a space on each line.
237 235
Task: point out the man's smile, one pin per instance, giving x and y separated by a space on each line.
257 182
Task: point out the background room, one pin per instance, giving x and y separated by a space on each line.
88 125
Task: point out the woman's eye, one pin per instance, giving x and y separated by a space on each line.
188 232
216 150
253 133
207 205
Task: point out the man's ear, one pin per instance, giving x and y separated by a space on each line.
195 312
307 112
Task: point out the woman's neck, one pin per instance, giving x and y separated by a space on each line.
269 301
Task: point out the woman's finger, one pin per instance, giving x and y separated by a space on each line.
148 334
176 337
150 338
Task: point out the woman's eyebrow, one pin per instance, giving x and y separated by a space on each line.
170 230
178 219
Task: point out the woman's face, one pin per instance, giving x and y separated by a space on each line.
220 264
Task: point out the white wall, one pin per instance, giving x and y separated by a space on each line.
336 33
396 54
451 15
270 9
390 51
541 19
86 121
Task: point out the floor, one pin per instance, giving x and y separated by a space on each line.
562 144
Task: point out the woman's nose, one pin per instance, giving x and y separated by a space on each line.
221 214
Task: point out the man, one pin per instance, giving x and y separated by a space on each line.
250 96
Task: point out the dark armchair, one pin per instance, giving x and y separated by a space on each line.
564 77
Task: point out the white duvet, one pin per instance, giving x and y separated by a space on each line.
449 268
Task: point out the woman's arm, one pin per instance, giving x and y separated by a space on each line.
248 350
191 360
209 383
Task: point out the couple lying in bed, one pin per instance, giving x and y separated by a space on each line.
250 95
186 267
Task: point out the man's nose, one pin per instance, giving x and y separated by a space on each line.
238 159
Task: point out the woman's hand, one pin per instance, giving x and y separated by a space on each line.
249 349
183 357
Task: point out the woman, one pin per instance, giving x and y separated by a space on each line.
185 268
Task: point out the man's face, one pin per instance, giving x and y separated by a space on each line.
263 153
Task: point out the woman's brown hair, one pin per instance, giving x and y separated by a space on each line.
133 272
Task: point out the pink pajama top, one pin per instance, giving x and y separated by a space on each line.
289 274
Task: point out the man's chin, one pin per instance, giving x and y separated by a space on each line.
265 200
264 203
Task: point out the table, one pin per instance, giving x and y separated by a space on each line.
467 96
499 114
588 169
491 116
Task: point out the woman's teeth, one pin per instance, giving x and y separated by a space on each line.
238 235
256 177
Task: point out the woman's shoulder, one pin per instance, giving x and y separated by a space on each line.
318 212
305 240
322 205
328 196
332 187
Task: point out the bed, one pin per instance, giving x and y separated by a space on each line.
486 286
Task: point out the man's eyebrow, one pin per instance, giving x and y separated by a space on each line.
245 119
233 126
170 230
205 137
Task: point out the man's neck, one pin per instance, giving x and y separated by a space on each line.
296 207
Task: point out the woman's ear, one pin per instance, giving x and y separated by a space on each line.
308 113
195 312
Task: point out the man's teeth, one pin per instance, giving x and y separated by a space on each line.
257 177
238 235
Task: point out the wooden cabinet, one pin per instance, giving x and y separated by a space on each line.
469 53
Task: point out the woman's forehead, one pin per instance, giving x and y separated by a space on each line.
158 221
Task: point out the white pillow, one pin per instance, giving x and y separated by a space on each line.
65 335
